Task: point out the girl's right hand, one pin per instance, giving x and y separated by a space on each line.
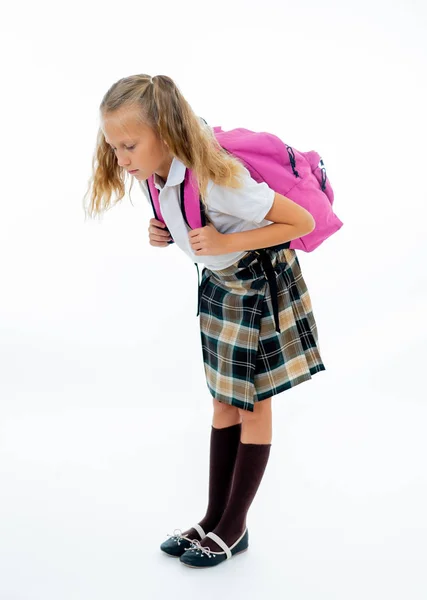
158 233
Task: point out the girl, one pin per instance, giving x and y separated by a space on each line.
255 344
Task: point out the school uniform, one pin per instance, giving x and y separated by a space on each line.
258 332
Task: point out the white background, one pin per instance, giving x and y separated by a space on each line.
105 412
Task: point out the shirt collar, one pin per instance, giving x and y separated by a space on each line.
175 177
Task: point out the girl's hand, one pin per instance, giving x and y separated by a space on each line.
207 241
158 233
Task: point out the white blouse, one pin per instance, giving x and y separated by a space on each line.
230 210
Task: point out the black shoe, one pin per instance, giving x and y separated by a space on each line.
177 543
199 556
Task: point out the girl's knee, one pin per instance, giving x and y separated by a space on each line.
262 408
223 407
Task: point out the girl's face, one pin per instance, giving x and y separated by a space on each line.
136 145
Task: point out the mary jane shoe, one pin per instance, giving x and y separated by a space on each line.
198 556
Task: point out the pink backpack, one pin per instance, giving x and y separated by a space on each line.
300 176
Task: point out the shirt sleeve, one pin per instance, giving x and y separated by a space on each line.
249 203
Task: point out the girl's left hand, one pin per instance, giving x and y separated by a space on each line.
207 241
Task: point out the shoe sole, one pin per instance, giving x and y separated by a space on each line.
195 567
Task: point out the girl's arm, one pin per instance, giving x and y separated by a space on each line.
290 221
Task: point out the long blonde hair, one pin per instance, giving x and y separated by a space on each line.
167 112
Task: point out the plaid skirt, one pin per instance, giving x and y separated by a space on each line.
256 345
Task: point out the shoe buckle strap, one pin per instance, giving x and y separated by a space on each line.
199 530
220 542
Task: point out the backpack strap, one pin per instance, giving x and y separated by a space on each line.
200 287
265 261
182 203
153 204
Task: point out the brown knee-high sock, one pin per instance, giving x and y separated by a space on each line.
250 465
224 444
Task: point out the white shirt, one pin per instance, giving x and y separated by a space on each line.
230 210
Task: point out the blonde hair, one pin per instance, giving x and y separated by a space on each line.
161 106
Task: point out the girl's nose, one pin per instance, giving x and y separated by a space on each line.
122 162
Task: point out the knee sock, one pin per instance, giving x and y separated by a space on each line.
224 444
250 465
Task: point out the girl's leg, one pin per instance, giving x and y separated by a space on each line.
257 426
224 415
224 442
251 461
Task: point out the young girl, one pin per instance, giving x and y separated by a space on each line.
255 343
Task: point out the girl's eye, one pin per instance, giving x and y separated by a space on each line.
130 148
